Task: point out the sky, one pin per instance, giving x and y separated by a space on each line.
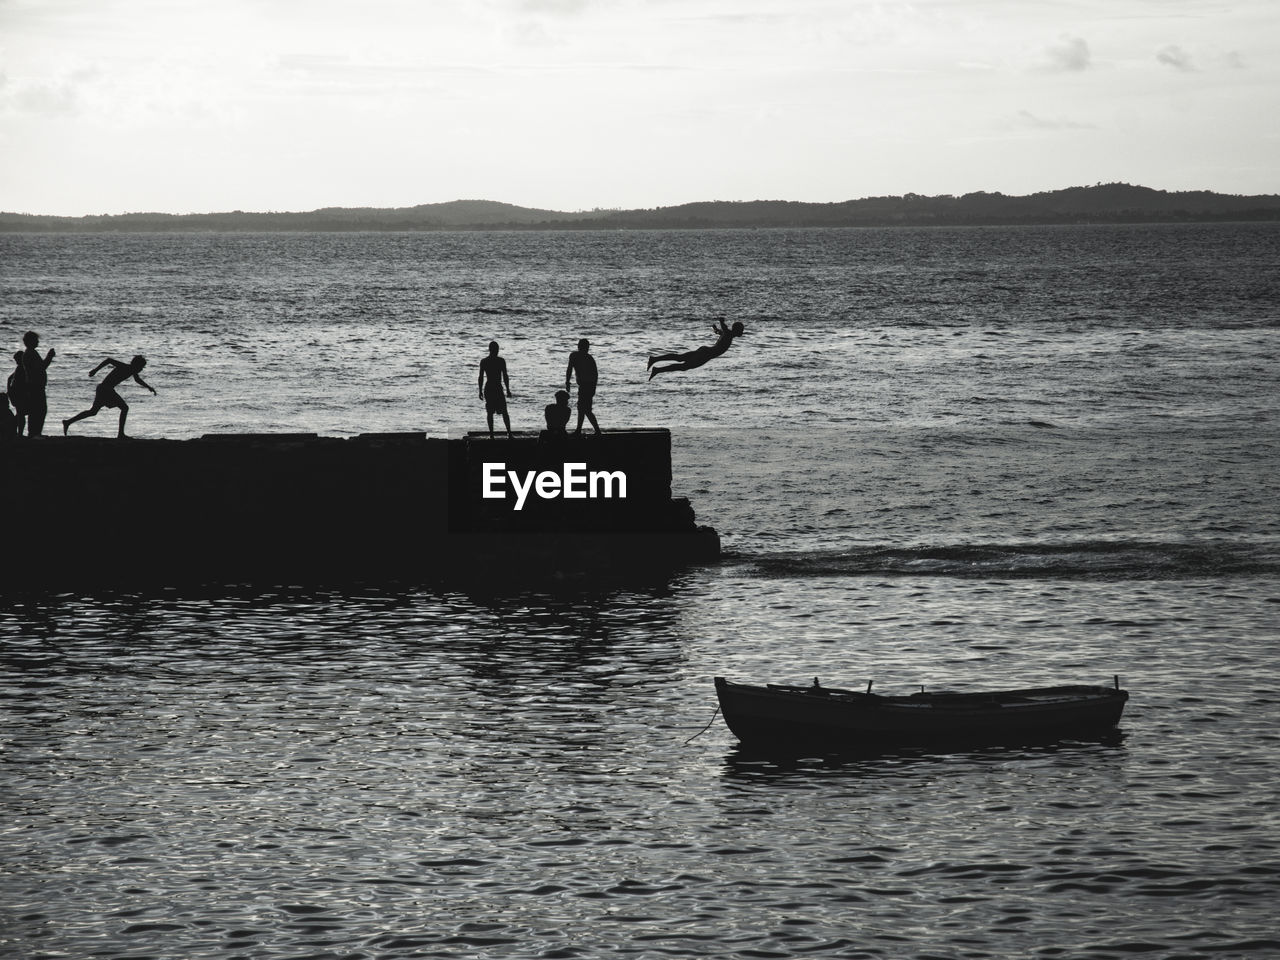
188 106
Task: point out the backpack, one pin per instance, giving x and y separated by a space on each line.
18 388
8 422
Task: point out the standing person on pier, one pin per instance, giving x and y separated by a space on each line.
35 378
105 395
495 368
582 363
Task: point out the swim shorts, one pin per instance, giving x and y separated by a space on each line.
494 400
107 397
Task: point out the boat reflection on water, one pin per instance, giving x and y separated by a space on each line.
897 762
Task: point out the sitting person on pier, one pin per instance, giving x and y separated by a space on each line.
696 358
557 414
106 396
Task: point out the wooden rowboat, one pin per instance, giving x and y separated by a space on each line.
779 718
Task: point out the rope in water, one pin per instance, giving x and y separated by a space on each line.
707 727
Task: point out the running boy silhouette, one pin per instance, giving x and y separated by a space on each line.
105 395
696 358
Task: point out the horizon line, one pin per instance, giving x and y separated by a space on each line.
607 210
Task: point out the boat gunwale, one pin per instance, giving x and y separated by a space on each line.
1029 696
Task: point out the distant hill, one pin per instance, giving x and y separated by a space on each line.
1109 203
454 215
1103 203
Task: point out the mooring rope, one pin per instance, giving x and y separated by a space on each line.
707 727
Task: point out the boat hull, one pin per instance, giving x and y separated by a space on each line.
789 719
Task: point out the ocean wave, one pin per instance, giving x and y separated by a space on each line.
1086 560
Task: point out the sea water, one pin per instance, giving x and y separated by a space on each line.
963 458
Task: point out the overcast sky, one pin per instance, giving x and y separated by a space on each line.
112 106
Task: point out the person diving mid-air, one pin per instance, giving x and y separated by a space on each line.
696 358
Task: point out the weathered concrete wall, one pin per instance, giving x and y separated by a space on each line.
287 509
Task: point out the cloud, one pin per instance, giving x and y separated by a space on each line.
557 7
1177 58
54 97
530 33
1070 56
1026 118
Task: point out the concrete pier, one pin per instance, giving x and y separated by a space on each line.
303 509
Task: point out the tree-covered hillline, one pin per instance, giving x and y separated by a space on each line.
1103 203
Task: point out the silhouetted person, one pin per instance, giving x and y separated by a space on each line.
583 364
35 376
105 395
495 369
696 358
557 414
9 423
17 387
